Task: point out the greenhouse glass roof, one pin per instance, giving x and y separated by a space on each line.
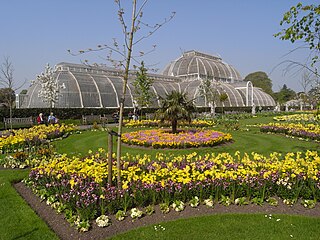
101 87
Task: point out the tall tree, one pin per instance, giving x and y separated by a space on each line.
142 85
261 80
285 94
302 25
50 89
175 107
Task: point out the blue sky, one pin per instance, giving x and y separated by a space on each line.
37 32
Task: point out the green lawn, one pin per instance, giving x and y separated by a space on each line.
230 226
18 221
248 139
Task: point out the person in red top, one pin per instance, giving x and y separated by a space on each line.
40 119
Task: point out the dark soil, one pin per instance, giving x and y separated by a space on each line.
62 228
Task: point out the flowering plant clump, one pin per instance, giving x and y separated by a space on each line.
135 213
272 201
103 221
307 203
81 184
194 202
178 205
184 139
209 202
149 210
164 207
241 201
120 215
309 131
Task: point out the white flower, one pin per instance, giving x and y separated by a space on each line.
178 206
136 213
208 202
103 221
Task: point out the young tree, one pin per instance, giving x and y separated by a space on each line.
222 98
142 85
303 25
208 89
130 28
7 82
175 107
50 89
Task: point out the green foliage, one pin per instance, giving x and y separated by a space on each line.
260 80
142 85
303 24
175 107
285 94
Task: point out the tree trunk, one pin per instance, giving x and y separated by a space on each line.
174 124
125 80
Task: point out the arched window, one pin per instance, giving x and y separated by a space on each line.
249 94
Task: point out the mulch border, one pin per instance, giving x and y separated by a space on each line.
65 232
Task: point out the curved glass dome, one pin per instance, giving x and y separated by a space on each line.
194 64
85 86
95 87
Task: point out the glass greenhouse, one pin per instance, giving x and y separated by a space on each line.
85 86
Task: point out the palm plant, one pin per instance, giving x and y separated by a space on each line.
175 107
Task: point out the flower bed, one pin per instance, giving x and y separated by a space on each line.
155 123
309 131
184 139
78 187
25 138
307 118
28 147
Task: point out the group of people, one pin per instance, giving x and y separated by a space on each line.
133 116
50 120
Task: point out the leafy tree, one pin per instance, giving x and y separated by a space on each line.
261 80
175 107
222 98
142 85
285 94
303 25
50 89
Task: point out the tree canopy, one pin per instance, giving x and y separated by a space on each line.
285 94
142 85
303 25
261 80
175 107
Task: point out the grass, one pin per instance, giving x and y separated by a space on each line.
18 221
230 226
248 139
